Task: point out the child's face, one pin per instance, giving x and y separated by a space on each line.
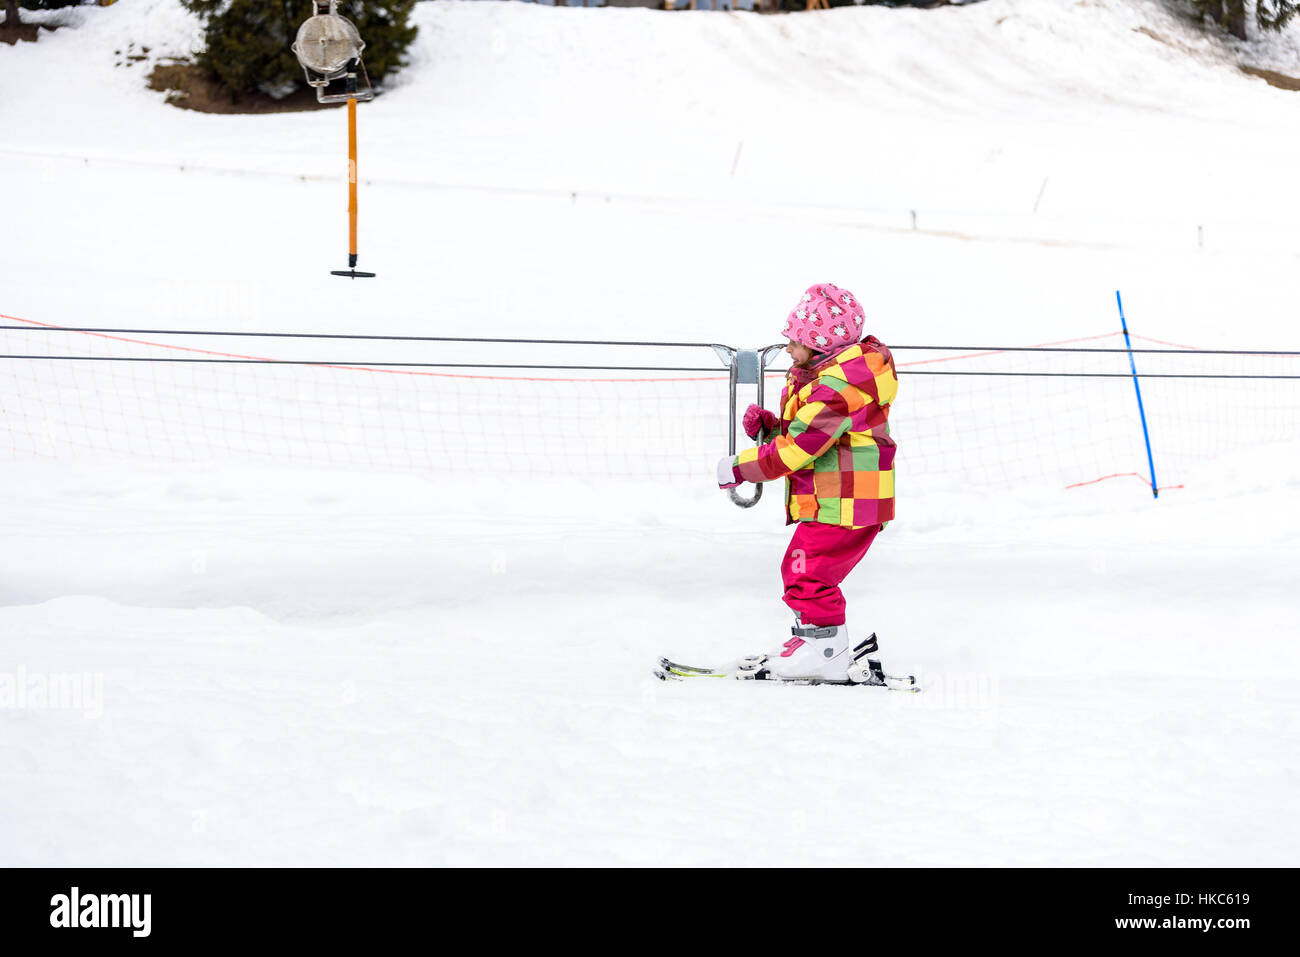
799 353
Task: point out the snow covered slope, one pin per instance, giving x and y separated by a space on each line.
1108 123
371 660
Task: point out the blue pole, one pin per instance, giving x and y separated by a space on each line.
1146 436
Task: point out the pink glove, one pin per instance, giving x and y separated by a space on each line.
727 473
756 417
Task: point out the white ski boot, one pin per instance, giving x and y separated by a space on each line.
818 654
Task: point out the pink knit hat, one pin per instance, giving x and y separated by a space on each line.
826 319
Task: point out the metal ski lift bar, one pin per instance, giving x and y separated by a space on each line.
328 48
744 367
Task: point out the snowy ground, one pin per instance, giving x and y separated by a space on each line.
355 661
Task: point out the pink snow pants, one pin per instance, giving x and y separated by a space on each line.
818 559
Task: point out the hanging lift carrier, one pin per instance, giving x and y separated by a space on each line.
328 48
744 367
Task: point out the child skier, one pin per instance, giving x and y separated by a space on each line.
831 444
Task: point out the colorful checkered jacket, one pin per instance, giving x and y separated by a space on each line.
833 449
